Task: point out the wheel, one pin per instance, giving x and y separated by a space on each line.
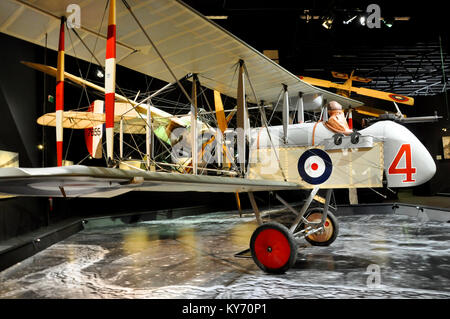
273 248
354 137
338 138
331 227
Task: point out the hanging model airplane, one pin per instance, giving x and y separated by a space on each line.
170 41
347 88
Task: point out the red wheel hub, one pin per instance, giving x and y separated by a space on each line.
272 248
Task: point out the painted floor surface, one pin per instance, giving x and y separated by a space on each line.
374 256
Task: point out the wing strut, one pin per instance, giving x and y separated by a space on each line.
60 95
241 117
300 110
148 137
110 80
121 138
194 146
285 113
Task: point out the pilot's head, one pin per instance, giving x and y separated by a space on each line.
334 106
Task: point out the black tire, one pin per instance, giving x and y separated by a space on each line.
338 138
333 228
273 248
354 137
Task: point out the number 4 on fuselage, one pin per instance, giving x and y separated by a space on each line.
408 170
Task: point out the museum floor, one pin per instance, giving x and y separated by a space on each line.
406 196
374 256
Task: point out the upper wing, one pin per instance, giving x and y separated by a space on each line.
189 42
84 181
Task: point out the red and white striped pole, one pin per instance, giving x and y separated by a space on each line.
60 95
110 79
350 119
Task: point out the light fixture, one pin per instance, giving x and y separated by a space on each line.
100 74
327 23
40 147
217 17
362 20
306 16
349 20
388 22
402 18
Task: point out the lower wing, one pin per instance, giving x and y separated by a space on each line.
84 181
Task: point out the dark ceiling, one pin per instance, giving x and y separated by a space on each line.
405 58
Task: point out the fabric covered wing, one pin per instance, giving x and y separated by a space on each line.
189 42
84 181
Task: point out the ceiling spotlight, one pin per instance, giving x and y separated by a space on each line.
362 20
388 22
217 17
100 74
350 20
402 18
327 23
306 16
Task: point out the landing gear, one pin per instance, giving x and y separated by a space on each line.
273 248
315 233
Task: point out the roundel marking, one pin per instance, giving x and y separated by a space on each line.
398 98
314 166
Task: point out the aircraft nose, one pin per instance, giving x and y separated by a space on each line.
429 167
413 159
407 161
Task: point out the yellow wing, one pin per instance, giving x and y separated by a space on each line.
362 91
82 82
133 122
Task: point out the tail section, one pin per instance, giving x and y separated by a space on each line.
93 135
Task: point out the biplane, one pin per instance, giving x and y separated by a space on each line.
170 41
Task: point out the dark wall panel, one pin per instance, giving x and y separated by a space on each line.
19 100
431 135
21 215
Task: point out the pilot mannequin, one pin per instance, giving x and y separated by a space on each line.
336 119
